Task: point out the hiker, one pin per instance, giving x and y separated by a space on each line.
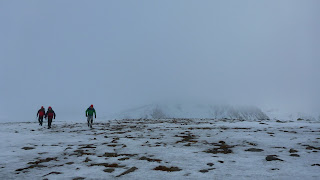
89 114
50 114
41 113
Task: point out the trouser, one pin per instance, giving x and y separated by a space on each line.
90 118
49 122
40 119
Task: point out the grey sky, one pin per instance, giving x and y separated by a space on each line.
119 54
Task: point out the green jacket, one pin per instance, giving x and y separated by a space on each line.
90 111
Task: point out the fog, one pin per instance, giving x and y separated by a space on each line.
121 54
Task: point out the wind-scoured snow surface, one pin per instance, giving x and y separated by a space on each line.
159 111
161 149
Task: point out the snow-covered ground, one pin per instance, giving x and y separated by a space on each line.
161 149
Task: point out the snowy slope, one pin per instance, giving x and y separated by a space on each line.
161 149
283 115
158 111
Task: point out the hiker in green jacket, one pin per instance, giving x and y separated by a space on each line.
89 114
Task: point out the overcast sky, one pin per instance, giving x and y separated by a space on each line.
121 54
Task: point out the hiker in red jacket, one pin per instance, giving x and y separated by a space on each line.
50 114
41 113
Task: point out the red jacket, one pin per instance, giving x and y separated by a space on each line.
50 114
41 112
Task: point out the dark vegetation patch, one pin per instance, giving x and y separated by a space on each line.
223 148
203 128
36 164
128 171
123 159
187 138
279 147
110 154
27 148
150 160
252 144
31 167
168 169
52 173
78 178
312 147
43 153
113 145
80 152
240 128
85 146
109 170
44 160
114 165
117 155
204 171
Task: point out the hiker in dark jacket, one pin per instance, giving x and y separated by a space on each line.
50 114
41 113
89 114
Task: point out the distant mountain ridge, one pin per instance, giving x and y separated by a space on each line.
162 111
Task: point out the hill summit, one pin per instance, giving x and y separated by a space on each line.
162 111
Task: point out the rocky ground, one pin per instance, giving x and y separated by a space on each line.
161 149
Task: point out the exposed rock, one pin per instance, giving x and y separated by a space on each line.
295 155
292 151
204 171
87 160
273 158
164 168
210 164
254 150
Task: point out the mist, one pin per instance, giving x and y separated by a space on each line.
121 54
